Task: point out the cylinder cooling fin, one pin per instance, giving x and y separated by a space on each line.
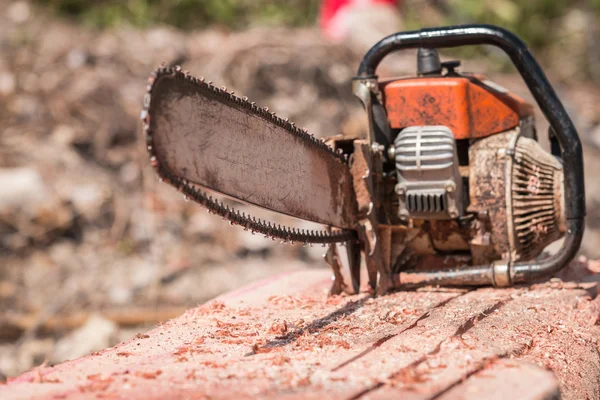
519 186
537 198
429 183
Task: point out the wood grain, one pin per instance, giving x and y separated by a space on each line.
284 338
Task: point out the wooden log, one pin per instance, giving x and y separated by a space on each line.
284 338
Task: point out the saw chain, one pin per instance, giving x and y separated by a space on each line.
215 206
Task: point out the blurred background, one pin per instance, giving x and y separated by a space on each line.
93 249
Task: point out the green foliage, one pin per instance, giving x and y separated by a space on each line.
532 19
188 14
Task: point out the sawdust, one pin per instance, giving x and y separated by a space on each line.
149 375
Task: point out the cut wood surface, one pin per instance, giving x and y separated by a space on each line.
283 337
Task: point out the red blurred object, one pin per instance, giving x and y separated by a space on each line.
332 19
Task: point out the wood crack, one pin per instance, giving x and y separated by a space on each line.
461 330
384 339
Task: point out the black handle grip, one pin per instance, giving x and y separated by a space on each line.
532 74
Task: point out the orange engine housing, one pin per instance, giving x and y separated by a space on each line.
470 106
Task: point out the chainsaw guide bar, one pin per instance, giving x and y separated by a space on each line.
181 87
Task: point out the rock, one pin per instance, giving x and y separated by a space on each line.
143 274
200 224
88 200
97 334
26 107
8 83
120 295
77 58
141 225
129 173
19 11
63 135
20 188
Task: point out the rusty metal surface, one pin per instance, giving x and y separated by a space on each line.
364 177
537 198
203 135
487 187
332 258
284 338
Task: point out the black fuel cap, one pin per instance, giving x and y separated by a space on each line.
428 62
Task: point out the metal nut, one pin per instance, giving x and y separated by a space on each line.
453 212
400 190
403 215
450 187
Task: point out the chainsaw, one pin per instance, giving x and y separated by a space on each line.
448 185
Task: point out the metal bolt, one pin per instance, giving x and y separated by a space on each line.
377 148
391 153
403 215
453 212
400 190
450 187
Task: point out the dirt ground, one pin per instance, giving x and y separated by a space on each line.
92 247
